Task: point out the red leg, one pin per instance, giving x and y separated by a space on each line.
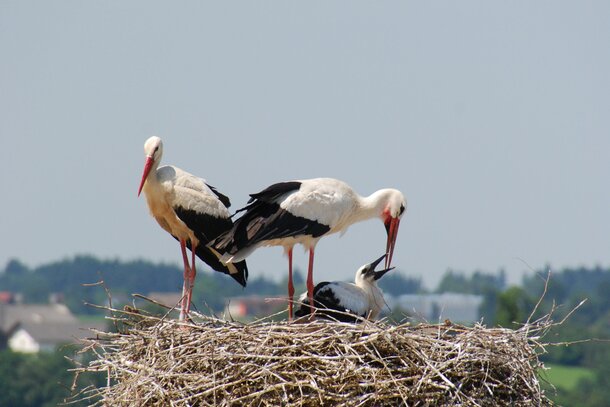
290 285
310 279
187 268
191 280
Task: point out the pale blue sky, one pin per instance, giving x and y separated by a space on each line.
493 118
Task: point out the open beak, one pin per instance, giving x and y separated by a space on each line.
147 166
380 273
376 262
392 228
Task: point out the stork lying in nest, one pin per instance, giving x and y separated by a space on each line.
348 302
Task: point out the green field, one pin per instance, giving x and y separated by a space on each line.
566 377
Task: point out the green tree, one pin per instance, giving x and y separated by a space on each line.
33 379
479 282
593 392
514 306
397 283
41 379
15 268
453 281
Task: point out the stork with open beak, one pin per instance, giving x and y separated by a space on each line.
348 302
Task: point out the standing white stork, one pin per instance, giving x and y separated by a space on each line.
304 211
348 302
192 211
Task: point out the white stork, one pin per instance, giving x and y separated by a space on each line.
192 211
348 302
304 211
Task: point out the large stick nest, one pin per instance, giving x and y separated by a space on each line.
163 362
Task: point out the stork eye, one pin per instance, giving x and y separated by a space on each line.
402 209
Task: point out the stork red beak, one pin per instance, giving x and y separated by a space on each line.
147 166
391 226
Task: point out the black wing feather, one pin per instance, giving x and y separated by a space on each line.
206 228
272 192
221 197
266 221
328 305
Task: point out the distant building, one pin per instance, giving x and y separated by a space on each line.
253 306
8 297
456 307
40 327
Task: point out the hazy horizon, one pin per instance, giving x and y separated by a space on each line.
491 117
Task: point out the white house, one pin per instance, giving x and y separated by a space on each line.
41 327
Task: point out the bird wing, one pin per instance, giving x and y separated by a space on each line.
324 200
205 225
190 192
204 211
271 222
264 219
343 296
336 300
223 198
273 192
288 209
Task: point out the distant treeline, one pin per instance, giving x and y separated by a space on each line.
71 280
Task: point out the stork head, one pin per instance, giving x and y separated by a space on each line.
153 149
394 206
367 273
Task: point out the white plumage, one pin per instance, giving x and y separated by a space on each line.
345 301
325 200
173 187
